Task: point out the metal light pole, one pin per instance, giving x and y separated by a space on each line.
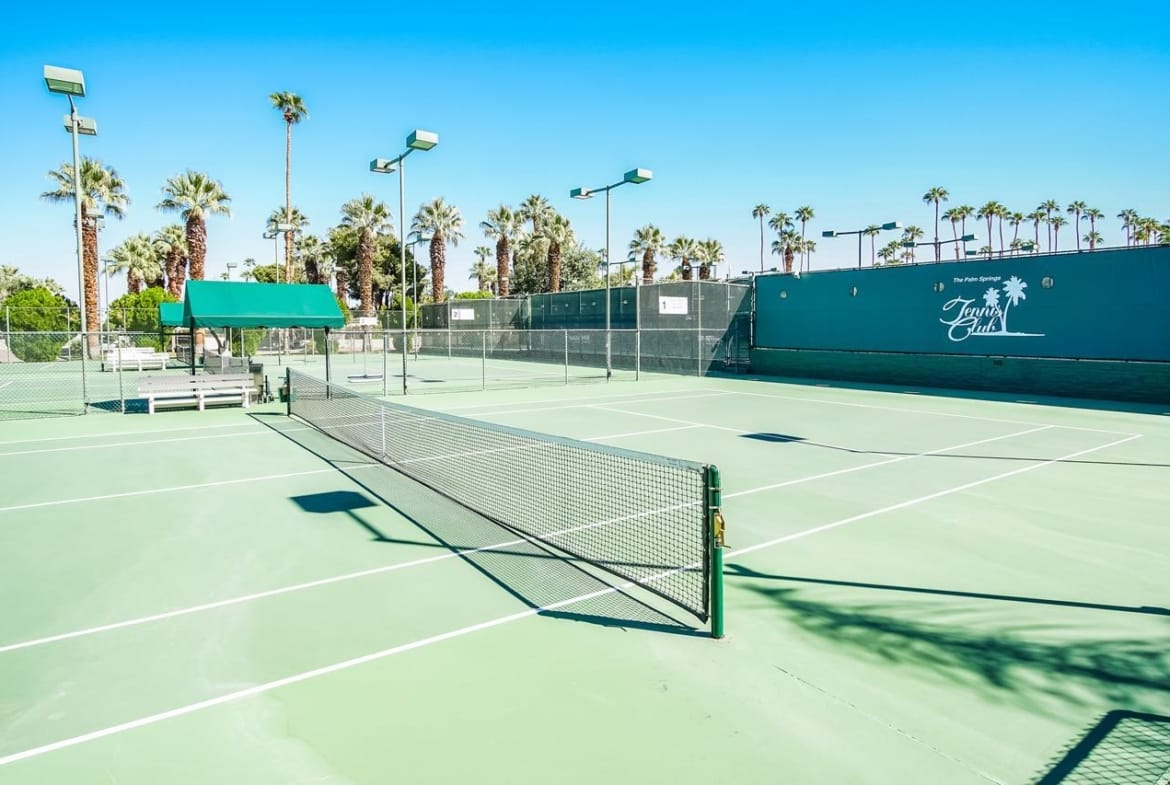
889 225
635 176
71 82
967 238
418 140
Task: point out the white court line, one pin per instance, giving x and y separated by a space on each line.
636 398
640 433
126 433
390 568
148 441
169 489
503 412
260 689
5 384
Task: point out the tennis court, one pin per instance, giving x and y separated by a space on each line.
919 589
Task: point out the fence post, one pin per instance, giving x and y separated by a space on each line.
121 388
566 333
483 359
7 335
699 312
448 329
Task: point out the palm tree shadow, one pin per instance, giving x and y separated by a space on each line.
1005 661
535 574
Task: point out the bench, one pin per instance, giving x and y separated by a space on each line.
199 390
138 358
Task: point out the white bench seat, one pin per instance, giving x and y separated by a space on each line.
133 357
200 391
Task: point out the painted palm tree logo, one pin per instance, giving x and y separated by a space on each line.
967 319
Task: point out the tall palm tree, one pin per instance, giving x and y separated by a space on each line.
710 255
479 272
951 216
310 253
137 257
804 215
1049 206
963 211
911 234
1015 219
936 195
1092 238
194 196
1129 219
685 250
292 108
1055 224
559 233
648 242
1077 208
988 212
504 226
872 231
170 243
369 218
1093 214
1001 212
1037 217
536 209
760 211
443 223
102 193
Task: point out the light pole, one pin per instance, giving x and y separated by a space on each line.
71 82
414 267
231 266
967 238
418 140
889 225
108 265
635 176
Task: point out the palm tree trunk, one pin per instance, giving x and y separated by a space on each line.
554 267
438 266
955 232
989 219
89 236
937 247
365 272
964 225
1001 248
1056 238
342 283
788 259
803 247
761 246
288 238
872 249
648 260
502 251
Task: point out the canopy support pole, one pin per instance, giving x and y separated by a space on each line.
327 372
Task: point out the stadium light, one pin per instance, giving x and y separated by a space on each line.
637 177
887 226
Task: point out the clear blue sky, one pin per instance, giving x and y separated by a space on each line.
855 110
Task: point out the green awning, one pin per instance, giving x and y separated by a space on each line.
241 304
170 314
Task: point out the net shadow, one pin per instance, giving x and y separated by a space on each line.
1122 748
536 574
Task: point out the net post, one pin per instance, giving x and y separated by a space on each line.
288 391
483 360
715 538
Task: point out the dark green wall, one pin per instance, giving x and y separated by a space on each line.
1101 305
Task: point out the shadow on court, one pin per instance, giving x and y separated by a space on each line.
1122 748
780 438
535 574
1128 672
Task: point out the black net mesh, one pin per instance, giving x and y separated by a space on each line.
638 516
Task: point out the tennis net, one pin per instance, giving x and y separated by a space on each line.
642 517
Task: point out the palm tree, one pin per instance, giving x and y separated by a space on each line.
785 246
479 272
292 108
1092 213
649 242
988 212
443 223
536 209
1092 238
1013 289
137 257
872 231
504 226
1037 217
804 215
1128 218
369 218
963 212
760 211
710 254
1077 208
889 252
1056 222
296 219
102 193
559 233
1015 219
309 254
952 216
170 243
685 250
936 195
195 196
1049 206
911 234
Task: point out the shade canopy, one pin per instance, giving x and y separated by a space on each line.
170 314
242 304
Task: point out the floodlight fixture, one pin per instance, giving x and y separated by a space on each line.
637 176
383 166
86 126
969 238
422 140
891 225
581 193
66 81
829 233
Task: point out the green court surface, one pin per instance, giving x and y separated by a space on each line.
920 589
